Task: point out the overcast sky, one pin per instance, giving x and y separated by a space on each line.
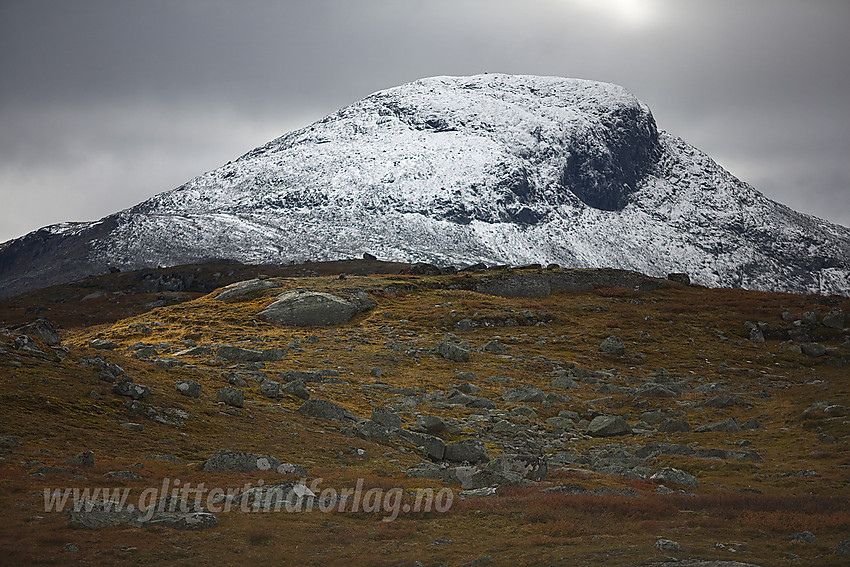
105 103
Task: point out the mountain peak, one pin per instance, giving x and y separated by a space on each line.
501 169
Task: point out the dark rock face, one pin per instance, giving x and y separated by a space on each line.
605 177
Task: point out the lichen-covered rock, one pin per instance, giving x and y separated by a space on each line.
305 308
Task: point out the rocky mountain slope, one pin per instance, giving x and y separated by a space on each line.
575 417
458 170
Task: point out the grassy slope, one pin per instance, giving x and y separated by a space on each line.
50 406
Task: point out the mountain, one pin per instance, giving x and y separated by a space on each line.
497 169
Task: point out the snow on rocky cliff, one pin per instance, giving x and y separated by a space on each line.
498 169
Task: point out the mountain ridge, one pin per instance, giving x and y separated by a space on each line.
498 169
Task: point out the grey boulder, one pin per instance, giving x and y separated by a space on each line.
468 450
231 396
613 345
608 426
188 388
325 409
302 308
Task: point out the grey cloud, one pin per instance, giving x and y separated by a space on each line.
165 90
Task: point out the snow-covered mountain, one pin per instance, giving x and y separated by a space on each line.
498 169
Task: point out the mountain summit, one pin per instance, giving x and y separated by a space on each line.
498 169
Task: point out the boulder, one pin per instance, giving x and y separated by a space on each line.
493 346
722 401
833 320
670 425
189 388
234 461
527 393
434 447
123 475
803 537
679 277
296 388
325 409
608 426
271 389
240 354
656 391
563 382
231 396
423 269
386 418
84 459
667 545
813 349
469 389
727 425
9 442
675 476
196 351
41 329
613 345
99 514
302 375
452 351
126 387
184 520
304 308
468 450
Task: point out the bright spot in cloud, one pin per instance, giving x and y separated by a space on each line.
634 14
